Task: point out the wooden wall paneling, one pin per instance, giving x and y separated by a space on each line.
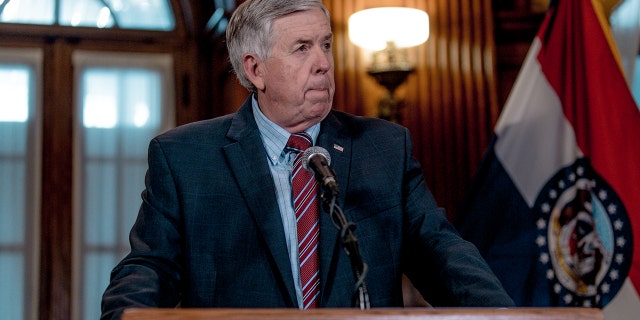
469 21
427 127
438 176
490 67
420 90
515 26
450 101
456 138
484 62
479 124
345 61
462 96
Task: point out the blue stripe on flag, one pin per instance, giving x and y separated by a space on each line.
506 237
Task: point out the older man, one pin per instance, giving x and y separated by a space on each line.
223 224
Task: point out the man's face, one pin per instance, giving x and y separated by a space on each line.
296 83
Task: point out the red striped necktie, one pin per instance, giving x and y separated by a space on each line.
306 207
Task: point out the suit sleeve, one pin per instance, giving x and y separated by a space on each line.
447 270
149 276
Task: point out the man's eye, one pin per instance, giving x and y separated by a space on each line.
302 48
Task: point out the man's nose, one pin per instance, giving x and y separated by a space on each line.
323 61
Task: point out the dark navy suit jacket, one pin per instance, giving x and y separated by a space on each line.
209 232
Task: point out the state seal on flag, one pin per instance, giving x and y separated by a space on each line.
584 237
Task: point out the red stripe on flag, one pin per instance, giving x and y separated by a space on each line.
580 65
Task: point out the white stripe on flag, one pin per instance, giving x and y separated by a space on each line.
625 305
536 140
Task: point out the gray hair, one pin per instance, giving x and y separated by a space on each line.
249 30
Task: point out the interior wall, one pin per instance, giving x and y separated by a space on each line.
450 101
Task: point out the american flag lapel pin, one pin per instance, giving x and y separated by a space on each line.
337 147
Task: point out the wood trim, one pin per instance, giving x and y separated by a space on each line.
379 314
30 31
56 211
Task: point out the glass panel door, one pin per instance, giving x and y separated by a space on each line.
19 192
123 103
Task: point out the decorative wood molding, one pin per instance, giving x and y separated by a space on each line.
372 314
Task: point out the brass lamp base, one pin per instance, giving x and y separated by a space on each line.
389 107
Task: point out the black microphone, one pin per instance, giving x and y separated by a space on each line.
317 160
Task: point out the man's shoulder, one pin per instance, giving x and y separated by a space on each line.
202 130
369 125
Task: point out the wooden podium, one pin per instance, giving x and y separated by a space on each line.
376 314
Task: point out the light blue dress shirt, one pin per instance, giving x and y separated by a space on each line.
275 139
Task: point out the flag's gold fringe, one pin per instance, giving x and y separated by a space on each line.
603 18
608 6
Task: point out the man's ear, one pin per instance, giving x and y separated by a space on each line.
251 65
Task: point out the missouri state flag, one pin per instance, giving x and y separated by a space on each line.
555 205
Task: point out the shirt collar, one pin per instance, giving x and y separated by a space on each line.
275 137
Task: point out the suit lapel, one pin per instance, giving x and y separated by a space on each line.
332 255
246 157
